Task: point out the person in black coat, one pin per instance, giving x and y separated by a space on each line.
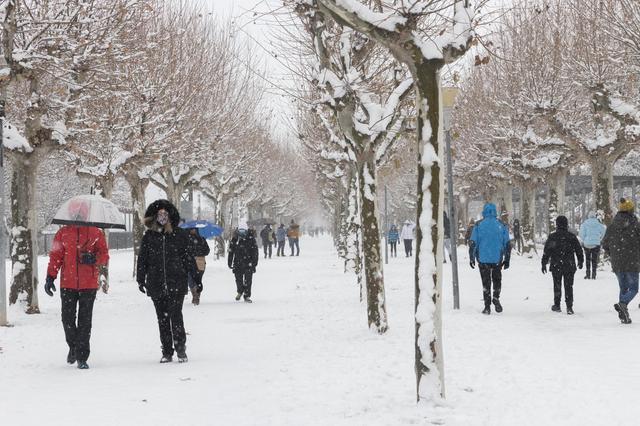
266 235
200 249
561 250
243 259
164 263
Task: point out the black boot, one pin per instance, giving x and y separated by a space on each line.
556 308
71 356
487 310
496 303
569 310
623 313
82 365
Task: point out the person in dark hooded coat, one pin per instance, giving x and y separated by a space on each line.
561 250
243 259
621 242
164 263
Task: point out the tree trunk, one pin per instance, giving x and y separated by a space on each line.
507 194
374 277
24 242
557 190
602 183
527 228
138 188
428 307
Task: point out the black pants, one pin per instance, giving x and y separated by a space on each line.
394 248
558 278
170 322
78 335
490 273
591 260
280 251
267 248
408 247
243 282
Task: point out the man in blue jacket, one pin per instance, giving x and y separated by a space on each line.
591 234
489 245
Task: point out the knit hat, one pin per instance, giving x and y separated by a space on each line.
625 205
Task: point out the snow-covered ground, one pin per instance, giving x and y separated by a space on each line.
302 355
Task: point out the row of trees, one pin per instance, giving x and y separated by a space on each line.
137 91
560 91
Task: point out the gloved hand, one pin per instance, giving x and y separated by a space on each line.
544 269
580 265
472 263
253 270
199 287
87 258
505 264
141 287
49 286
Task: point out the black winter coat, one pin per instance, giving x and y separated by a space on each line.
165 258
559 251
622 243
243 253
199 245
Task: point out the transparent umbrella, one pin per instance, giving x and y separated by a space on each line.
89 210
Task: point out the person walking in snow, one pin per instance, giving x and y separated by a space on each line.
266 235
621 242
467 234
517 235
591 233
281 237
243 260
407 237
200 249
489 245
393 239
447 236
294 236
78 252
164 264
561 250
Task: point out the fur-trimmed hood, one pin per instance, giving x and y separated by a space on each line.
152 211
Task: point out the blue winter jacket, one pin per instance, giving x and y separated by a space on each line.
394 237
490 238
281 234
592 232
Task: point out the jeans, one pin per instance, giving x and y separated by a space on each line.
490 272
78 336
408 249
394 248
558 278
170 322
628 282
293 242
280 251
591 260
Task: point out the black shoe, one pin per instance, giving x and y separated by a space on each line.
487 310
497 304
166 358
556 308
238 296
248 300
71 357
82 365
182 356
623 313
569 310
587 277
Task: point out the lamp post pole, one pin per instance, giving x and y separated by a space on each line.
448 101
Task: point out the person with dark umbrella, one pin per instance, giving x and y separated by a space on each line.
165 262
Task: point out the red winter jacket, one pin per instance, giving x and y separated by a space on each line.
68 244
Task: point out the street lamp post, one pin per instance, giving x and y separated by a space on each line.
3 233
448 99
386 227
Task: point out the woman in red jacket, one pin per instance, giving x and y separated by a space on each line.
78 251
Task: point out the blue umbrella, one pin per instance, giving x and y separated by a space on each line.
205 228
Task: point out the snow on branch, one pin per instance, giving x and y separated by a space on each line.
13 140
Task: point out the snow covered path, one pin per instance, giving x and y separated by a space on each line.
301 354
